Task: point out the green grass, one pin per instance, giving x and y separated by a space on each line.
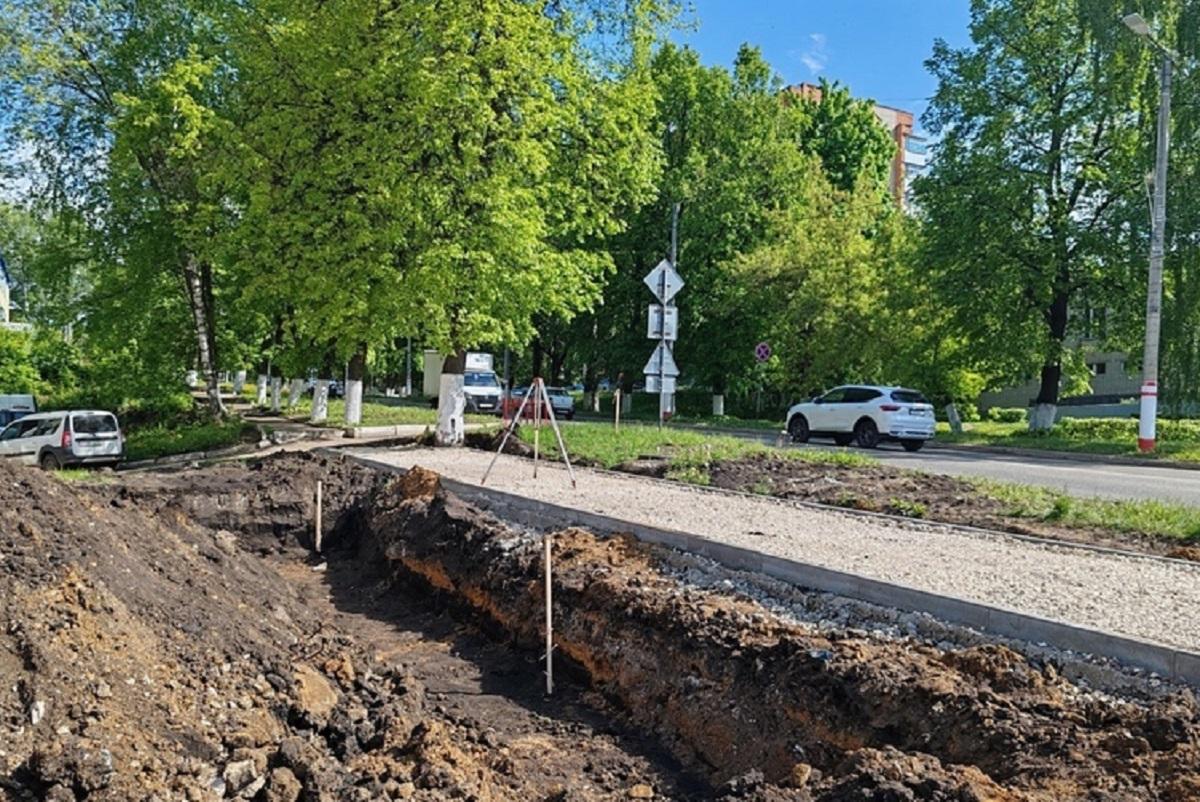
376 413
690 453
1148 517
82 475
1111 437
161 441
700 422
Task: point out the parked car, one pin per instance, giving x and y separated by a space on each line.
562 401
62 439
866 416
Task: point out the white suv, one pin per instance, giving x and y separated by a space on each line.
61 439
866 416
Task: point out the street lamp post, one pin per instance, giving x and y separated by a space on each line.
1149 404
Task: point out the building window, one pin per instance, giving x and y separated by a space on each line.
1098 368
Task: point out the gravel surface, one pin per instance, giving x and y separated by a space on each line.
1140 597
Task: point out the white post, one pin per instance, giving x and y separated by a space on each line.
617 401
452 404
549 618
239 382
320 405
276 387
261 398
295 392
319 529
718 406
354 395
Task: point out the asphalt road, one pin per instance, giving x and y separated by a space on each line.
1075 477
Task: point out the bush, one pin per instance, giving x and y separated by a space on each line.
1179 431
18 374
1006 415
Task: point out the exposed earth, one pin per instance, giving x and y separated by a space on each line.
172 636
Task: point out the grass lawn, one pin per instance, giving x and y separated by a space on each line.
1148 517
376 413
161 441
690 451
705 422
1115 436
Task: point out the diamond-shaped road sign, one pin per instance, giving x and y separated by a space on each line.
661 363
664 281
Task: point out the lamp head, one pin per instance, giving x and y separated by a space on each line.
1137 23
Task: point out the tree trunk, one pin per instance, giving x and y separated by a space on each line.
354 386
1041 417
452 400
538 355
320 404
558 357
718 397
198 279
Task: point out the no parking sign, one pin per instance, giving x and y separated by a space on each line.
762 351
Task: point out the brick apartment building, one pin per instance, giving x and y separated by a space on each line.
912 154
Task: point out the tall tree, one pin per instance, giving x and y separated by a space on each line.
116 103
445 175
1038 152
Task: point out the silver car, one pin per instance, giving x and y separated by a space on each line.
62 439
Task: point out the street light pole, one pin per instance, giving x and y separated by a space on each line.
1147 418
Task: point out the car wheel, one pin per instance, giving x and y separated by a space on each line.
912 445
49 462
798 429
866 433
843 439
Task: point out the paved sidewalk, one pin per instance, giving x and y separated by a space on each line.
1132 595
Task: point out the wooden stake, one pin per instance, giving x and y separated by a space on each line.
317 532
549 618
617 410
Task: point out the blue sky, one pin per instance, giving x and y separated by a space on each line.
876 47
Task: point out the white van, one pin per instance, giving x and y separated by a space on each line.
15 406
61 439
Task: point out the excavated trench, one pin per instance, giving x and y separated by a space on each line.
757 705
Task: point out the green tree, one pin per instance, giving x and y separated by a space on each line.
1038 153
741 155
118 102
438 169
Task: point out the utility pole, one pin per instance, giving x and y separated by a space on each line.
408 368
1147 418
664 398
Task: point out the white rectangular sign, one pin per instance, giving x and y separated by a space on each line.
668 384
654 322
662 362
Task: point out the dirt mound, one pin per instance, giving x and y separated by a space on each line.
879 488
752 701
150 650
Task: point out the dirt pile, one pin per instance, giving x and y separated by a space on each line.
932 497
150 650
147 656
751 701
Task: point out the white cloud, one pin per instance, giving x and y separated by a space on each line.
815 56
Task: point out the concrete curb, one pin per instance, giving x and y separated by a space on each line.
399 430
191 456
1166 661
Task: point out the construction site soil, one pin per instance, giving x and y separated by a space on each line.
172 636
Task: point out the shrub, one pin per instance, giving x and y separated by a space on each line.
1006 415
1178 431
17 371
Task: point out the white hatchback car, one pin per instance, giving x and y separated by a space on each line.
866 416
61 439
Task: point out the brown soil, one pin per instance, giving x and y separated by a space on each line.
931 497
168 637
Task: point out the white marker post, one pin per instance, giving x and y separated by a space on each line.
546 541
318 528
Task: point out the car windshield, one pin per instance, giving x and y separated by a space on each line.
481 379
557 392
94 424
908 397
